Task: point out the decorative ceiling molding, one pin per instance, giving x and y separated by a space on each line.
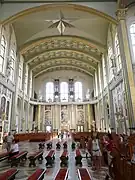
58 41
62 67
61 62
63 54
62 59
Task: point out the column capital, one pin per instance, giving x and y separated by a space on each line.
121 14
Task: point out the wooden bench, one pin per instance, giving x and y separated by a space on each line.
83 174
15 160
49 145
62 174
78 158
32 158
4 156
9 175
37 175
65 145
50 158
64 159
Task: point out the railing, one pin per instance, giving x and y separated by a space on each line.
42 102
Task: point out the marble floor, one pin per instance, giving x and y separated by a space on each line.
25 171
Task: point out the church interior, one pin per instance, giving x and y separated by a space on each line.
67 85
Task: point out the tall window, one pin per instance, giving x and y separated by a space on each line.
117 53
11 64
49 91
64 91
20 75
104 73
26 80
132 34
110 63
2 52
78 91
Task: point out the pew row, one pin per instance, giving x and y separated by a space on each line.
50 158
9 175
4 156
16 159
83 174
62 174
32 158
78 158
64 159
38 175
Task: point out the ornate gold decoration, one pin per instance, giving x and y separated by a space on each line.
121 14
63 67
55 43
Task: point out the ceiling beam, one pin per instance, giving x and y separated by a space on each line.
90 42
91 55
60 59
64 67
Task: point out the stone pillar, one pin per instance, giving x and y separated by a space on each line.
111 108
127 66
38 117
89 117
15 95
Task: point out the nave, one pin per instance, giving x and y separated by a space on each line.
25 171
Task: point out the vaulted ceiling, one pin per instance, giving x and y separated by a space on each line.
62 37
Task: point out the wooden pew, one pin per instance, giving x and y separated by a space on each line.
38 175
4 156
64 158
9 174
50 158
83 174
78 158
15 160
62 174
33 137
32 158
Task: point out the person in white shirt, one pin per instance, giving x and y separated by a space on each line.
14 148
96 154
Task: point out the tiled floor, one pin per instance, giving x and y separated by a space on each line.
26 171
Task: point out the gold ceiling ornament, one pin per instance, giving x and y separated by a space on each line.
61 62
55 42
65 54
62 6
63 67
38 63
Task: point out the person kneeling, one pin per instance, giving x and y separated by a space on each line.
14 149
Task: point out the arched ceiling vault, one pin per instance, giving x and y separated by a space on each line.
64 51
62 67
79 45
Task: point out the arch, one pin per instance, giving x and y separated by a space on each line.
63 6
37 42
64 67
61 59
